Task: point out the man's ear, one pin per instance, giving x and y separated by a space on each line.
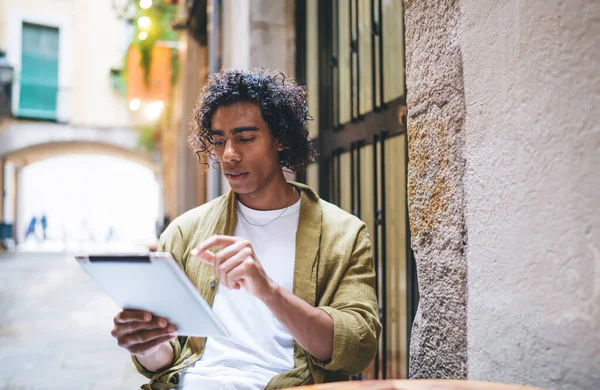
280 147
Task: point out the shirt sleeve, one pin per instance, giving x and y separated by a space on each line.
354 310
152 374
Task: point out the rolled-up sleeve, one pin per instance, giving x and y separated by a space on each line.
152 374
354 311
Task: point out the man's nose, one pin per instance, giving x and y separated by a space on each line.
230 154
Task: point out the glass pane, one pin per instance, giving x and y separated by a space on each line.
39 72
345 192
366 208
395 192
395 187
312 176
365 52
393 49
366 188
312 65
344 59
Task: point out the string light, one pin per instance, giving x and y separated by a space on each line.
154 109
135 104
144 22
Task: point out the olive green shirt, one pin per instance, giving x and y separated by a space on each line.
333 271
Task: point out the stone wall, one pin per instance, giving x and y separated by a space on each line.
532 183
505 153
435 99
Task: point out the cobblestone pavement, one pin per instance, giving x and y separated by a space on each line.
55 328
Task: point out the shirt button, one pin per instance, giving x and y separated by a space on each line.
212 283
186 361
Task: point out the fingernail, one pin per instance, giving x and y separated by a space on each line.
171 329
147 316
162 322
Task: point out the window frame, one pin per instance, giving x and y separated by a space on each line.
384 121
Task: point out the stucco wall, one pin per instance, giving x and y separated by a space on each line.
91 42
532 188
259 34
272 35
99 43
436 112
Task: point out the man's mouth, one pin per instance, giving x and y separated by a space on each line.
236 175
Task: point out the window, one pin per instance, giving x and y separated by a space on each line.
351 57
39 72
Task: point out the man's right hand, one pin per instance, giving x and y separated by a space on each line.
146 337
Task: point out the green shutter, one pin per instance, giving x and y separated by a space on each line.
39 72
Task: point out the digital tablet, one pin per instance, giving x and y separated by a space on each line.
154 282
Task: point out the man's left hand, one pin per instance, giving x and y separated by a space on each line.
236 265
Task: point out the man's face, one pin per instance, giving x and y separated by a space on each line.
245 147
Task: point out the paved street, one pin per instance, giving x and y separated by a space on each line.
55 328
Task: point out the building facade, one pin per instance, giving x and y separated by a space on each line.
64 97
464 133
499 180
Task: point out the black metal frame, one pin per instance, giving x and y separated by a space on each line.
355 178
300 66
6 100
372 128
335 58
335 168
379 245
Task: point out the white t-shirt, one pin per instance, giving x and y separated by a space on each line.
259 347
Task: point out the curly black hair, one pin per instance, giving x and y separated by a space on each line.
282 102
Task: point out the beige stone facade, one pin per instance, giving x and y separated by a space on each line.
436 118
503 190
90 115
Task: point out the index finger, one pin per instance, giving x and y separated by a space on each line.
214 242
129 315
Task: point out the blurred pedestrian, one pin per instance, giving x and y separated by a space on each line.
44 223
31 228
110 235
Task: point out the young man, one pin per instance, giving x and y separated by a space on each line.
290 275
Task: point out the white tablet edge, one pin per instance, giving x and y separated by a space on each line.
174 267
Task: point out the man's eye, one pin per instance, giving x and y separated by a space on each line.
246 140
219 143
